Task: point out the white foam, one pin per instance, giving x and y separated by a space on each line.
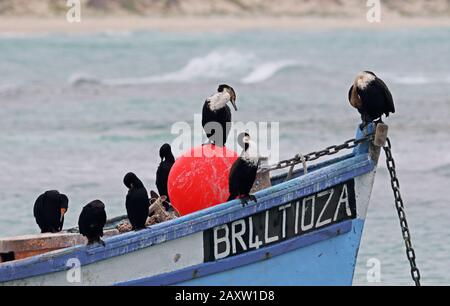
7 89
22 35
267 70
78 79
217 64
115 33
420 80
412 80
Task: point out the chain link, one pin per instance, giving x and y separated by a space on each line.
395 183
332 150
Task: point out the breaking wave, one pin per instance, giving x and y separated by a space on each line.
82 78
215 65
267 70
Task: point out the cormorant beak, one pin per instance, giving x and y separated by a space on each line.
63 212
232 97
233 102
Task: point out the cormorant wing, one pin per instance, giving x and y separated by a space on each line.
227 114
388 95
162 176
234 178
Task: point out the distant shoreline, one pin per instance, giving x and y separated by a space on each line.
31 25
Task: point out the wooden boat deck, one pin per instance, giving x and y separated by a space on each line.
20 247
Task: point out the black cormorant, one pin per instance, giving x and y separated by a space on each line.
162 174
92 220
137 201
49 210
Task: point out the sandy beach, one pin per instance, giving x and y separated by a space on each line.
220 15
130 23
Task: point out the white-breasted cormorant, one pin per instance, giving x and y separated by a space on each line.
244 170
216 114
371 97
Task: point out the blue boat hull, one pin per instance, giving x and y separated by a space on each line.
323 258
329 262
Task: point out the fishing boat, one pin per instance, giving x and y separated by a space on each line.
305 229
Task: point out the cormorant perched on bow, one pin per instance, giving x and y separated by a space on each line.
371 97
217 114
92 220
162 174
49 210
137 201
244 170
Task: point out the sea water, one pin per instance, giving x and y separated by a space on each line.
77 112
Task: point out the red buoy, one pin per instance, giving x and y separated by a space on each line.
199 178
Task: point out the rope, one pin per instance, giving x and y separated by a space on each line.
291 169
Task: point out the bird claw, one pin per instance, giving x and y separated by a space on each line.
244 201
92 243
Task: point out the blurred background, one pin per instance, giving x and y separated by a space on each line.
47 8
81 104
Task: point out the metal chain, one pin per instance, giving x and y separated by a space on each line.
395 183
332 150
